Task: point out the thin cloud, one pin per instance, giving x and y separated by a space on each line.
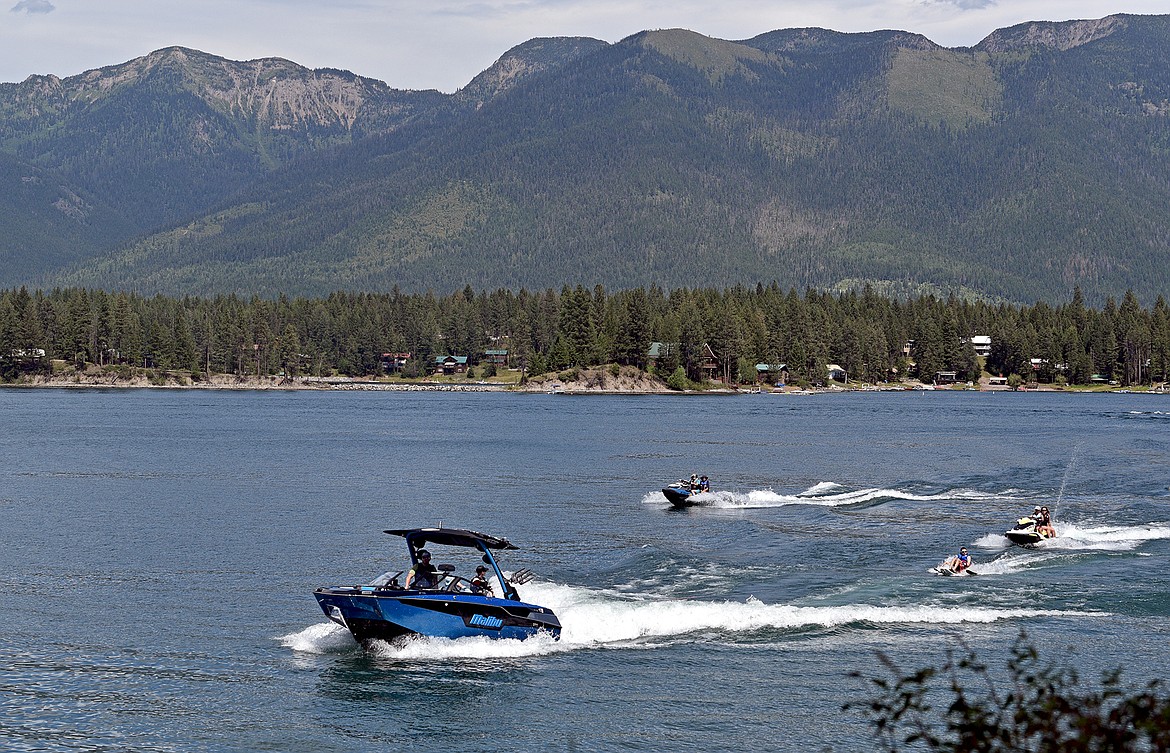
965 4
34 6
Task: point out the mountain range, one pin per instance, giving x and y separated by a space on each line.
1032 163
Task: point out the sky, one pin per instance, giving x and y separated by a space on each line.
443 44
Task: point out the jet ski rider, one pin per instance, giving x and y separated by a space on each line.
423 574
1044 522
1029 521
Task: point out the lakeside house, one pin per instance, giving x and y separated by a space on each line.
659 351
451 364
25 354
836 373
394 363
772 373
946 377
708 364
496 356
982 345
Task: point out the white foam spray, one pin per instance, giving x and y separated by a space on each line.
1109 538
823 494
601 619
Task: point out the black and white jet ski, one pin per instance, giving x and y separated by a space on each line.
1024 533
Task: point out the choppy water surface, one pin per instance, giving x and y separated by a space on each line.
158 550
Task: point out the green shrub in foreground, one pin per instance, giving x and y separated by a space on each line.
1041 707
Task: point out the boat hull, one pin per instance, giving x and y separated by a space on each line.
371 615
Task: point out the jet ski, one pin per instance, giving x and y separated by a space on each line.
1024 533
445 605
683 493
680 494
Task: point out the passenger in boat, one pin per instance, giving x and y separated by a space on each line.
423 574
1044 523
704 484
480 584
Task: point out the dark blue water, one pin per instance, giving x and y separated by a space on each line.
158 550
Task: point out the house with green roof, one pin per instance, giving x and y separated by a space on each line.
451 364
497 356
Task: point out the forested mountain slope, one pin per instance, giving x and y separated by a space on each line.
1034 162
167 136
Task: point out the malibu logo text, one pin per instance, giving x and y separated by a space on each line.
483 621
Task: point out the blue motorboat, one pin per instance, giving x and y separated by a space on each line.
438 603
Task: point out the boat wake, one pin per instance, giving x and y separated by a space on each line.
1072 537
599 619
1017 561
1157 414
824 494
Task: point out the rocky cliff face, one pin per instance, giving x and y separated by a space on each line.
272 92
1052 35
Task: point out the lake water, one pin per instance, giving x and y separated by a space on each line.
158 550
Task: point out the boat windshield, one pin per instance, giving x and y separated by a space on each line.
384 579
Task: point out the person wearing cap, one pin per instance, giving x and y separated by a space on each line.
1033 519
423 574
480 584
704 484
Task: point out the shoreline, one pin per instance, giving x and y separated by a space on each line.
647 386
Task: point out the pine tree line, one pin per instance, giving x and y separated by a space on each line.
874 338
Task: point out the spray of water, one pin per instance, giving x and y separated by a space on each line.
1064 481
823 494
1073 537
599 619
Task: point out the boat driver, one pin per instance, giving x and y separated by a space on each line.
423 574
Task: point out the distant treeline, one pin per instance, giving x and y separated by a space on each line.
873 338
